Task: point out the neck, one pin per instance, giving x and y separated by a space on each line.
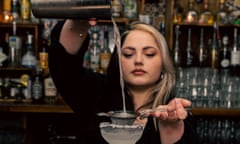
140 95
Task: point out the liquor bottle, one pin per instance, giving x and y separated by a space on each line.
37 87
43 55
191 15
7 14
105 54
29 59
4 51
6 89
25 9
117 8
225 55
178 12
3 54
177 52
206 17
214 51
130 9
235 55
94 53
221 17
15 10
203 51
15 47
25 80
86 57
189 55
1 88
50 90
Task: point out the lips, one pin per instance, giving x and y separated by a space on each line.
138 72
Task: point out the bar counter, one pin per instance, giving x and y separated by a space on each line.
64 108
34 108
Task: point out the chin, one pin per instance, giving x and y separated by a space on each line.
139 84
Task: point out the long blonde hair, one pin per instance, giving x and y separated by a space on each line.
162 92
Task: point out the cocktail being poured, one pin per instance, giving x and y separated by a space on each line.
122 129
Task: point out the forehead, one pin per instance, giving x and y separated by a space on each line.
135 35
140 37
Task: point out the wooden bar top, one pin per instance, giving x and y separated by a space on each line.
26 107
34 108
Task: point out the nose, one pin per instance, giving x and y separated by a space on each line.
138 59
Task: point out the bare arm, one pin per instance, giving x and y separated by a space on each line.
73 35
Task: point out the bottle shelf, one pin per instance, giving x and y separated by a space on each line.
15 72
207 25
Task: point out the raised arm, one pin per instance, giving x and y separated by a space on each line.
73 35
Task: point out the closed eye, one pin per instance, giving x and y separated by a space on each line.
150 55
127 55
128 52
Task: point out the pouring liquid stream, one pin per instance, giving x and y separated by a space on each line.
117 38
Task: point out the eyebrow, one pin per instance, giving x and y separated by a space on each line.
144 48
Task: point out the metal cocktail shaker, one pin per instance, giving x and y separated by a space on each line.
81 9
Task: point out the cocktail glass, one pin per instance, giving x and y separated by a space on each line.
121 134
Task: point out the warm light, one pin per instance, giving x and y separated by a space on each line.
7 17
190 18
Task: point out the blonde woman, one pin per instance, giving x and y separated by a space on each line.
149 78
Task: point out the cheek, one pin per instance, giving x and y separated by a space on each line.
155 70
125 66
126 69
156 75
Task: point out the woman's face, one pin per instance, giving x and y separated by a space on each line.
141 59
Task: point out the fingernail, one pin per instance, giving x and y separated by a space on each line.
176 101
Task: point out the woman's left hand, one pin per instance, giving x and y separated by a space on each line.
174 110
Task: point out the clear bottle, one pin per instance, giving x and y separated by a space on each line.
214 52
105 54
225 55
203 51
94 53
15 7
177 52
190 56
15 48
235 55
206 17
29 60
191 15
221 16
